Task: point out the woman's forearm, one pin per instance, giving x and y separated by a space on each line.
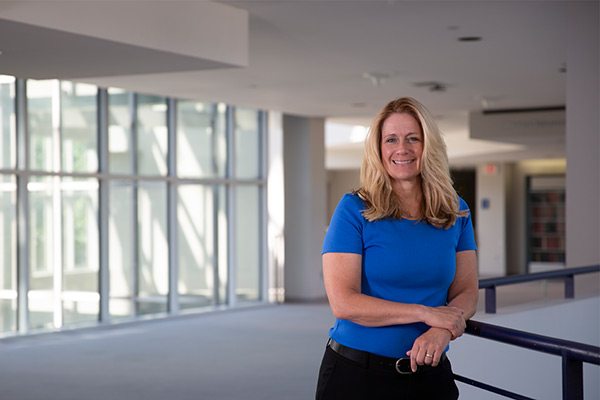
371 311
466 301
374 312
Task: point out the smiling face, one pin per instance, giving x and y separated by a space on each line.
402 147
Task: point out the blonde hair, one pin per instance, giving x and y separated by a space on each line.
440 206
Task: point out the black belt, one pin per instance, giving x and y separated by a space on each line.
366 359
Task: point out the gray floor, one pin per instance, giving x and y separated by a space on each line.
264 353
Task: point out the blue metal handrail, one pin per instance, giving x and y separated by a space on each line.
568 274
573 356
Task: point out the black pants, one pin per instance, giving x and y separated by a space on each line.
340 378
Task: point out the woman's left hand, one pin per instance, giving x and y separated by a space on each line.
429 347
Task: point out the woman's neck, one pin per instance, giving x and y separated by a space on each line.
410 195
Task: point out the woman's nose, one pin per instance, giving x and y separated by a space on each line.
401 148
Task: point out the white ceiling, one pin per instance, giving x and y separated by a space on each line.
309 58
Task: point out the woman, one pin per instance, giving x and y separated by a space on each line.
399 267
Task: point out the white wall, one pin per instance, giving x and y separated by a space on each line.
583 135
491 224
527 372
305 206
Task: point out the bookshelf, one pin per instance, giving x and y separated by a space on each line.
545 222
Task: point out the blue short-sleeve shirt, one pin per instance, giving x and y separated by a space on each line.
402 260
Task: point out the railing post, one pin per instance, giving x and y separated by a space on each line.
490 300
572 379
570 287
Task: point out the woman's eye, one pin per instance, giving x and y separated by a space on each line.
390 140
412 140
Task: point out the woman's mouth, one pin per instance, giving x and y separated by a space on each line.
403 162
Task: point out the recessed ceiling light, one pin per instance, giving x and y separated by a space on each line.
469 39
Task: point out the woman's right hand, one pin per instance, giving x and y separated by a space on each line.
447 317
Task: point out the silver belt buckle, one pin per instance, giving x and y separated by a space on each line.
399 369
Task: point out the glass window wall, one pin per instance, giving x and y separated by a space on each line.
61 205
201 142
247 143
78 127
248 243
120 146
63 278
8 254
222 246
198 234
80 298
44 253
152 137
153 250
121 254
43 112
7 122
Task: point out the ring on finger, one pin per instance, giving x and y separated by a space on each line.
427 355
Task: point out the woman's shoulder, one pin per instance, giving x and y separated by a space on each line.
352 200
351 204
